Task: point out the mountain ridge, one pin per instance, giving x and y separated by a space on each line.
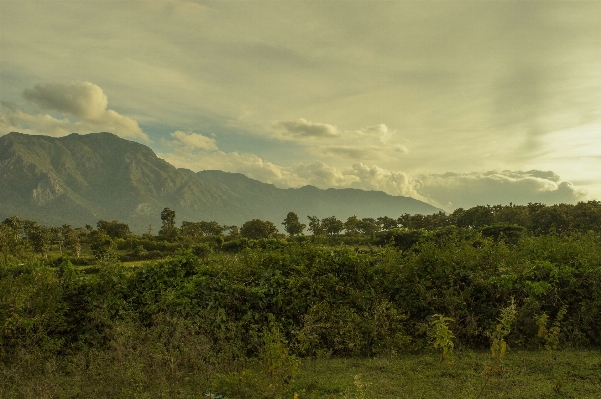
80 179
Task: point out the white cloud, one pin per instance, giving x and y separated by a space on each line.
448 191
195 140
82 100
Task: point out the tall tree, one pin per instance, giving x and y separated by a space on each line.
292 225
168 229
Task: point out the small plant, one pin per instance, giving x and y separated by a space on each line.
278 364
551 335
551 338
498 346
443 337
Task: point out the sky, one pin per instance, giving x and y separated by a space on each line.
456 103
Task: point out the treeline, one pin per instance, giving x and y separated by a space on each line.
19 237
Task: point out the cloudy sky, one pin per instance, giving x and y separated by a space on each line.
456 103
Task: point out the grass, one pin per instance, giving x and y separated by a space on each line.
526 374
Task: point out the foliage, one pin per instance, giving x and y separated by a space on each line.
257 229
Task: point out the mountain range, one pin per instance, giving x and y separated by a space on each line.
80 179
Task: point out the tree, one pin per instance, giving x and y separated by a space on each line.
233 231
211 228
190 229
477 216
387 223
551 218
198 229
39 236
10 241
168 229
71 239
368 226
332 225
11 237
292 225
315 226
100 243
257 229
351 226
114 229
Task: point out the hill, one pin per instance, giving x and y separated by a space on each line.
79 179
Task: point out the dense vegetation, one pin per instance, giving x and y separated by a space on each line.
234 313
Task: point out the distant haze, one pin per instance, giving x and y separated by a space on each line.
453 103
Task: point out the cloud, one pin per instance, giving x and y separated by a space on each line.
195 140
368 143
249 164
302 128
448 191
379 132
365 152
82 100
322 175
453 190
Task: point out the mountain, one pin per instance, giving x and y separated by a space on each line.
80 179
